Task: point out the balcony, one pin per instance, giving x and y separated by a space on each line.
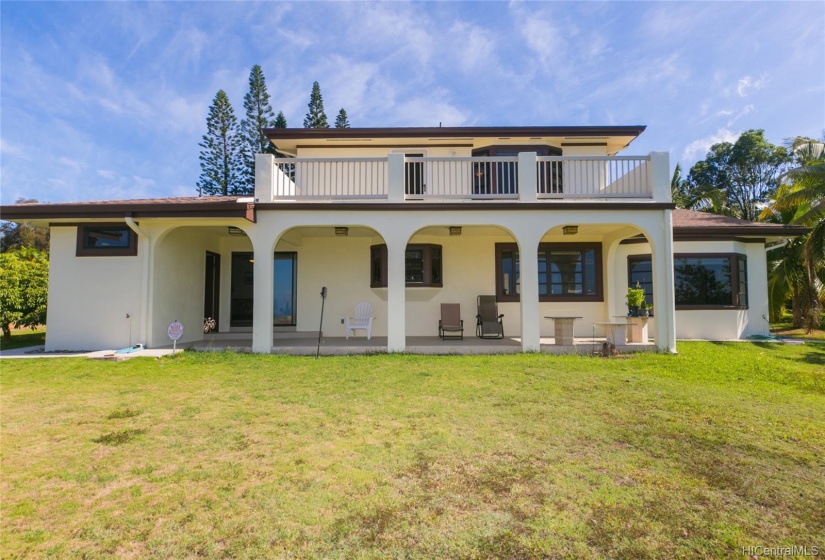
525 178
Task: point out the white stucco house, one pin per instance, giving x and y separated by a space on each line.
407 219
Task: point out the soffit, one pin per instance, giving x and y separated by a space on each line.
291 140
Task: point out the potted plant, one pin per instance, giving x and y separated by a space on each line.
635 298
644 309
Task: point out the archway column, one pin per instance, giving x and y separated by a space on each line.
664 301
528 244
262 293
396 295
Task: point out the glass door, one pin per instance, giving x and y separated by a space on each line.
284 291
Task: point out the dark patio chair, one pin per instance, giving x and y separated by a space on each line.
488 320
450 322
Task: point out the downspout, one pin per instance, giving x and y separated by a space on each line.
779 244
144 296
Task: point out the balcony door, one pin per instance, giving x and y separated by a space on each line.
415 183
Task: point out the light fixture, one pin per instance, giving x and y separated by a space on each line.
455 230
236 231
341 231
570 230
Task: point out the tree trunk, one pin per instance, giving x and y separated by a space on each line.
7 332
797 310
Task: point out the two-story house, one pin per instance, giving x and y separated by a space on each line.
550 220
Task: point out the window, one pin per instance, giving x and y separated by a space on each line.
99 240
701 281
567 272
640 271
422 266
501 177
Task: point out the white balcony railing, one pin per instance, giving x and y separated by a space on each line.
341 178
399 178
593 177
461 177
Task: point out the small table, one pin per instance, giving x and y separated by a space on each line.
618 331
637 328
563 330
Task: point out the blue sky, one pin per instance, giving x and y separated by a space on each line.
109 100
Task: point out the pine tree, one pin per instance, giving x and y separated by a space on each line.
341 120
280 121
316 118
221 151
259 115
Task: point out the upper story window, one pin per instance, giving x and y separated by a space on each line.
567 272
99 240
701 281
422 266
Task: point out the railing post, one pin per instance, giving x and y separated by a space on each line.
660 176
264 177
395 178
527 183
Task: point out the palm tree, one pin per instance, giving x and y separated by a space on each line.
692 197
801 201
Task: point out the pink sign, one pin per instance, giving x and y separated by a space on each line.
175 330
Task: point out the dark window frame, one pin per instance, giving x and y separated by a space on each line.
83 250
378 265
736 280
549 247
494 184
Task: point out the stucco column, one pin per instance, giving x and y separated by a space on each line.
527 176
660 176
262 293
264 177
396 296
395 178
528 246
664 306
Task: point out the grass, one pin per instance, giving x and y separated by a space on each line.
525 456
24 337
786 328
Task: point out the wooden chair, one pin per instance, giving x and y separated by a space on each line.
361 321
450 322
488 320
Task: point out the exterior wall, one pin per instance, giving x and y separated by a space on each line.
708 324
342 264
180 263
89 297
368 152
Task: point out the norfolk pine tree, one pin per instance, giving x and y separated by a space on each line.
259 115
280 121
221 151
316 118
341 121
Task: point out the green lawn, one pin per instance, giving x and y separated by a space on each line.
22 338
786 328
525 456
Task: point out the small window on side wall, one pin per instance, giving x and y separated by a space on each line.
106 240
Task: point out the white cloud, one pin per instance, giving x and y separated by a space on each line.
748 84
701 146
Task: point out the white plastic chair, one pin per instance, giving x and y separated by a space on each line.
362 320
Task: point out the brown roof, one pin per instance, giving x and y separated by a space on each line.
453 131
686 223
705 223
194 206
614 138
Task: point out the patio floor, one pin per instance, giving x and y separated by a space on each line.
307 344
